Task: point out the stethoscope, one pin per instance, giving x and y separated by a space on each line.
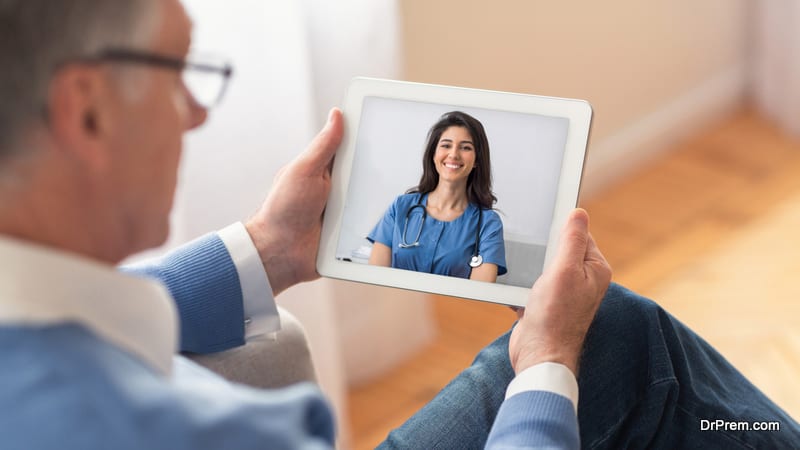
475 261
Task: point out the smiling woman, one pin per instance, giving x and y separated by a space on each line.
446 225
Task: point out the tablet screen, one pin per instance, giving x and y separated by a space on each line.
525 153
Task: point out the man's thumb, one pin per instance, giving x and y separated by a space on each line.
574 237
321 150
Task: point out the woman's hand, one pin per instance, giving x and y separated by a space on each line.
484 272
381 255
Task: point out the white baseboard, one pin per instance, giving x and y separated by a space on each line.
619 154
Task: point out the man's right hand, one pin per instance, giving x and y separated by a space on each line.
563 301
286 229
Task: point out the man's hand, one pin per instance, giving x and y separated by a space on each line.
286 230
563 301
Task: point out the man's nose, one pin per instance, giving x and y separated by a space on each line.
197 114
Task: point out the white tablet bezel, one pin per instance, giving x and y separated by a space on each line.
579 114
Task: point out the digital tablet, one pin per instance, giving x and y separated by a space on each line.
405 142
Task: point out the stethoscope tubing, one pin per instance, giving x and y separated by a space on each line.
475 260
403 240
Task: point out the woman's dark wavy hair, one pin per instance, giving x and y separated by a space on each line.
479 182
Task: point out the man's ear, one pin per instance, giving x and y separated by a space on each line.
79 112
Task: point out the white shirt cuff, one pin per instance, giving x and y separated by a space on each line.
548 376
260 310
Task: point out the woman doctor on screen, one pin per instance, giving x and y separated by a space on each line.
446 225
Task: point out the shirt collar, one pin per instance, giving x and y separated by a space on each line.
42 285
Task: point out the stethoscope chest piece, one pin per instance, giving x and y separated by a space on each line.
476 261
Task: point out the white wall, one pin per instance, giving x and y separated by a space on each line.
775 62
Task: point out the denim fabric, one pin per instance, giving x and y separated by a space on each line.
461 415
646 381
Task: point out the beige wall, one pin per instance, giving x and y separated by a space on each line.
637 62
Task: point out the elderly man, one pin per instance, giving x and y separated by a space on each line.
96 95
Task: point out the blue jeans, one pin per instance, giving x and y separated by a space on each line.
646 381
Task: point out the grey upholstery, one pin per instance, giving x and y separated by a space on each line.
270 361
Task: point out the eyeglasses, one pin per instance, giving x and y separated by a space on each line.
205 77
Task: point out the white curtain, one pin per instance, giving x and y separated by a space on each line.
776 61
292 62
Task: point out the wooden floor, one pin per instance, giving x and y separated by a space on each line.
710 231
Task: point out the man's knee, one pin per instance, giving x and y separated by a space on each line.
619 300
626 326
625 311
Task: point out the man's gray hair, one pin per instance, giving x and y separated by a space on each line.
36 36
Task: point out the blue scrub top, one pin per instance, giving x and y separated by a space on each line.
445 247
